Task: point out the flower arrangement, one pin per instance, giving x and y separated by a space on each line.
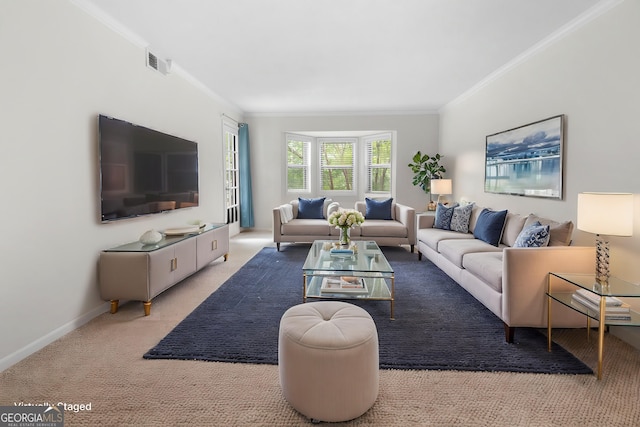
345 220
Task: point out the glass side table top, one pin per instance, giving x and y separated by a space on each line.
366 258
615 287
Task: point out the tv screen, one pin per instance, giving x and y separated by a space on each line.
143 171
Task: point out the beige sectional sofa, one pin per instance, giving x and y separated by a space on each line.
510 281
399 230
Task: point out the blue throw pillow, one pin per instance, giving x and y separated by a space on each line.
310 208
378 209
443 216
489 226
535 235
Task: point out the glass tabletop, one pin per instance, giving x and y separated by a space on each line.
616 287
362 257
167 240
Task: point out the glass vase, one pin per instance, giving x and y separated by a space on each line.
345 235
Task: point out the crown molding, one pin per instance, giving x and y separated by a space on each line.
596 11
141 43
344 113
110 22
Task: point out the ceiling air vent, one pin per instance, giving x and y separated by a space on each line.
158 64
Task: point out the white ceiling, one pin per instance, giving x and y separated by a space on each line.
347 56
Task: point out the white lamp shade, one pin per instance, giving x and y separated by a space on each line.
441 186
610 214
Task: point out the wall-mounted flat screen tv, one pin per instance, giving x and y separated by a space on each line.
143 171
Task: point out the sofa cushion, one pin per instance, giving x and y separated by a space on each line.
535 235
513 225
306 227
559 232
378 209
443 216
432 236
475 213
382 228
460 218
489 226
456 249
311 208
487 266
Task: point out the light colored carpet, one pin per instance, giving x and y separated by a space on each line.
101 363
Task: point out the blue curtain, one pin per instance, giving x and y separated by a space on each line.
244 166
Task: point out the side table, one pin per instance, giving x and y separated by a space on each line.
613 288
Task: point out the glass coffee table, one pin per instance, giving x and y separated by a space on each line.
359 271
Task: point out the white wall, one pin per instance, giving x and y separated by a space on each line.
592 76
414 132
61 68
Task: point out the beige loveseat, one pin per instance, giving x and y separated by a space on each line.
509 281
400 230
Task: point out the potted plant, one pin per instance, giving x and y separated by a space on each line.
425 168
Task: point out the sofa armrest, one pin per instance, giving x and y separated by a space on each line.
277 222
406 215
524 279
425 220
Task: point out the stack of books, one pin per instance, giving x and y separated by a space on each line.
344 285
615 309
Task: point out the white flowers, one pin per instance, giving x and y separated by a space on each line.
346 219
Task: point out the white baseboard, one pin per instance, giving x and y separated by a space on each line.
42 342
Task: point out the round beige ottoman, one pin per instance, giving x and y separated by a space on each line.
328 360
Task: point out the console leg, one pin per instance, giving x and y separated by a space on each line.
147 307
114 306
509 332
226 256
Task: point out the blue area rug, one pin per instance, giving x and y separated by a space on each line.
438 324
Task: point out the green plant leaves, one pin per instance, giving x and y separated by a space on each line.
425 168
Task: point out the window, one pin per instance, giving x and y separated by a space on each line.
231 172
337 164
349 164
378 158
298 163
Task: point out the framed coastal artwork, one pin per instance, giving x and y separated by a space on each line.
527 160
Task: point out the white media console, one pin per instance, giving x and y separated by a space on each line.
140 272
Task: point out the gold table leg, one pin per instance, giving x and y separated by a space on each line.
304 287
147 307
601 323
549 312
393 289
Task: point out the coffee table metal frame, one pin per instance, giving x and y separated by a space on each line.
367 262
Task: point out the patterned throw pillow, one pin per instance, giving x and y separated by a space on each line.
443 216
535 235
460 218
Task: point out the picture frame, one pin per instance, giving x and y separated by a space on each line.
527 160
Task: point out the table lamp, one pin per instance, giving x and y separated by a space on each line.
605 214
441 187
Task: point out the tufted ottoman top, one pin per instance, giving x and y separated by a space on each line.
328 324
